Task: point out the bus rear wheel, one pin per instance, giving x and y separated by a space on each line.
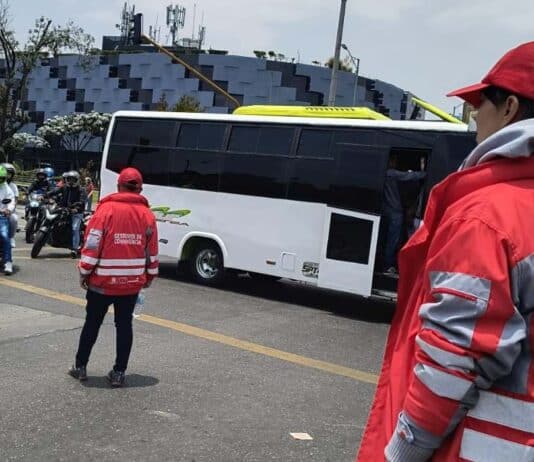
206 264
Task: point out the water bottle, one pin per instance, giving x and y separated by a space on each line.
139 304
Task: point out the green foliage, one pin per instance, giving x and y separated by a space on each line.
187 104
344 64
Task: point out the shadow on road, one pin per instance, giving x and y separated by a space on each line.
297 293
132 381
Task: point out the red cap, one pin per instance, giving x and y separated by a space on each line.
513 72
130 175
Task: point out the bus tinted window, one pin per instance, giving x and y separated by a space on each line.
315 143
244 139
359 177
194 170
275 140
201 136
341 243
253 175
310 179
153 163
139 132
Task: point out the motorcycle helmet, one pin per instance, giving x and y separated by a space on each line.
40 174
3 174
49 172
71 178
10 168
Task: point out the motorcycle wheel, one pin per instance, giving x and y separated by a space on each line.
40 241
29 230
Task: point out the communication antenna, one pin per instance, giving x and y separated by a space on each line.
127 16
175 21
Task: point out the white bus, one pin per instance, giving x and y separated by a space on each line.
280 197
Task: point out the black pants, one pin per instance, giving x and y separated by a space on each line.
96 309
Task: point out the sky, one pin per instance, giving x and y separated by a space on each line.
427 47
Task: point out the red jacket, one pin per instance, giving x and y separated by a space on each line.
120 252
457 382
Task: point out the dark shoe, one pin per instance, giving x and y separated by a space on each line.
74 254
79 373
116 378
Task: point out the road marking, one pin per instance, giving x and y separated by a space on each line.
360 376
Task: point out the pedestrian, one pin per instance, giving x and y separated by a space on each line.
89 190
119 258
394 211
457 381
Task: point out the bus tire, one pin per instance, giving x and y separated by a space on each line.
206 264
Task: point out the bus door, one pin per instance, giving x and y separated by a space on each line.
352 219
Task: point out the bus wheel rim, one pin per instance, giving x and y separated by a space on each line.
207 263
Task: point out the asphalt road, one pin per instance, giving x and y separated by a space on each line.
221 374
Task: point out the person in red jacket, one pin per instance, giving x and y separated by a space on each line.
457 381
119 258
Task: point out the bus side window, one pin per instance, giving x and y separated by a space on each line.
194 164
315 143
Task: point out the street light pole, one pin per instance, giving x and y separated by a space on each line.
339 38
356 64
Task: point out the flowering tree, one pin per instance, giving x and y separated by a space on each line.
74 132
19 141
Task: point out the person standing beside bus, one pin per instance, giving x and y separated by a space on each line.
393 212
457 380
119 258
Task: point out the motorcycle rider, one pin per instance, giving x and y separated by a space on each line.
41 184
5 211
13 218
72 196
50 176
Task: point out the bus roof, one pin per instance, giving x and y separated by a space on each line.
310 121
311 111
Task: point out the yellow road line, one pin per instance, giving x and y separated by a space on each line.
324 366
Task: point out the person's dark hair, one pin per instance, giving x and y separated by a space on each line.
498 97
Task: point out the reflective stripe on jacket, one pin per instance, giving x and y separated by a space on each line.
120 251
457 382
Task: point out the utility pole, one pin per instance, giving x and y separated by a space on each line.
337 51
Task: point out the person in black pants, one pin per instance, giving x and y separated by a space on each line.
97 307
119 258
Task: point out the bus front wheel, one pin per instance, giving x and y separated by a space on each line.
206 264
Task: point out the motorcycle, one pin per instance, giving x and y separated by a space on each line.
55 228
34 215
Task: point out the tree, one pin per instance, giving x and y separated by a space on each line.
44 40
19 141
187 104
162 104
73 132
260 54
344 65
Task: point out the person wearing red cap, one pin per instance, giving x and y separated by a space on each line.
457 381
119 258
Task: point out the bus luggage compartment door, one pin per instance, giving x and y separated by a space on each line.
348 251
